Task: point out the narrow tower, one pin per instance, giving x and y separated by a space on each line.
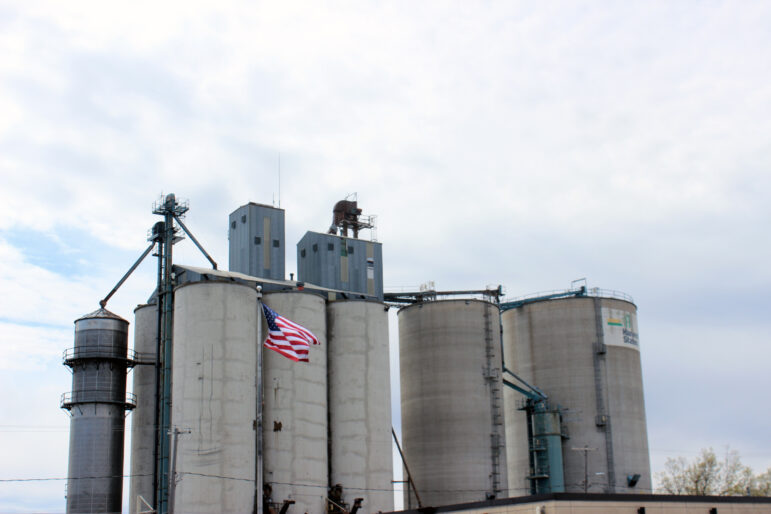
256 235
97 405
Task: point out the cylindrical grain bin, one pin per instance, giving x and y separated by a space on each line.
295 409
97 406
213 398
584 353
451 399
143 416
360 403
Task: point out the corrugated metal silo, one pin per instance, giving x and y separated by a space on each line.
143 417
452 419
213 398
583 352
359 402
295 410
97 407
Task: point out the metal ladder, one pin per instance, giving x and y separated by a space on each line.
492 377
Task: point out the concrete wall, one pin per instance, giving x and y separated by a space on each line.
573 351
359 403
295 412
213 397
450 368
143 416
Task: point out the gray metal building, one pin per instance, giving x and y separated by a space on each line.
340 262
256 241
584 353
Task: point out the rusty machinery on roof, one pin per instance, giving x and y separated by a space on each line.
346 215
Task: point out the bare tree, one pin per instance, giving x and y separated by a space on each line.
709 476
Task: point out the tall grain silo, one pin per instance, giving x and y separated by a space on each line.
359 402
452 419
583 352
143 418
97 406
214 398
295 421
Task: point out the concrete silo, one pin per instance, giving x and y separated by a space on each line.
359 402
295 422
451 399
583 352
214 398
143 418
97 406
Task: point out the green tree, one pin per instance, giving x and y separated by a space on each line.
709 476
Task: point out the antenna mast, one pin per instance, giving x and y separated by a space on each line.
279 180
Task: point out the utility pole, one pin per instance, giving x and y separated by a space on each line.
586 451
173 473
258 473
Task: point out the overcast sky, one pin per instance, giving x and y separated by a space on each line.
510 143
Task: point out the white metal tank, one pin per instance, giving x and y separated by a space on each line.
143 416
584 353
295 410
214 398
360 446
452 420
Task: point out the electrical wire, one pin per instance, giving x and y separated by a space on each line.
51 479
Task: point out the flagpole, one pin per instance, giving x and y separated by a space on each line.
258 480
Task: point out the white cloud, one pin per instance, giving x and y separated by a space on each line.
498 143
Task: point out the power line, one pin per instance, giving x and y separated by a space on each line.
51 479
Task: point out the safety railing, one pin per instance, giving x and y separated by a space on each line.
78 353
127 400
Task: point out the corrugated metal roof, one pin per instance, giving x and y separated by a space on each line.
208 273
101 313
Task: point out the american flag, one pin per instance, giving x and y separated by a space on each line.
287 337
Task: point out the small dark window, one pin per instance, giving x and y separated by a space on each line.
275 243
233 225
315 248
330 246
257 240
243 218
302 252
350 249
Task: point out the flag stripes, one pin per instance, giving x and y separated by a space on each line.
287 337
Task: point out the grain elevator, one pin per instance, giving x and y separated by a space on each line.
499 398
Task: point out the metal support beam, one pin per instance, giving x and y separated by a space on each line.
195 241
103 302
562 294
409 298
407 469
